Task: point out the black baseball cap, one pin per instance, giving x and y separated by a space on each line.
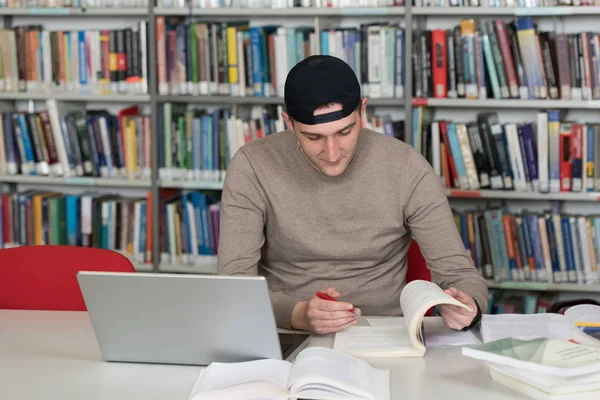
319 80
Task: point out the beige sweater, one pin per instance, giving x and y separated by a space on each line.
305 231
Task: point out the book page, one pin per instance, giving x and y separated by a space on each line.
416 298
375 341
386 321
336 375
218 376
436 333
525 326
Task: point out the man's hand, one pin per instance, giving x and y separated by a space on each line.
323 316
457 317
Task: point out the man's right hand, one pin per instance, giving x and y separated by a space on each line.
323 316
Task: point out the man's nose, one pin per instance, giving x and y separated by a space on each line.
332 150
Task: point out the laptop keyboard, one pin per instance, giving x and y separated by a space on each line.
290 341
285 347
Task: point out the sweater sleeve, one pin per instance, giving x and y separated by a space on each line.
241 237
429 216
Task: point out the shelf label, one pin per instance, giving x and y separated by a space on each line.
81 181
48 11
544 11
365 11
419 102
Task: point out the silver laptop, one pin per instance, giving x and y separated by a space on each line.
184 319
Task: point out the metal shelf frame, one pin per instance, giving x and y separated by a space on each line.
544 287
48 12
506 11
76 97
76 181
285 12
508 103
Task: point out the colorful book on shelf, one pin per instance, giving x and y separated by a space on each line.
548 156
89 219
189 227
38 60
239 59
532 246
70 142
507 60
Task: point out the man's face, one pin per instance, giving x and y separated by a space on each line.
329 147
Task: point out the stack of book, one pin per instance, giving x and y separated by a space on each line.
541 368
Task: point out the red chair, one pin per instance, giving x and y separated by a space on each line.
417 267
416 264
45 277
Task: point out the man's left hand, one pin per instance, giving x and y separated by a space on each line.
457 317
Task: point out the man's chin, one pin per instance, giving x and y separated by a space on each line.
333 170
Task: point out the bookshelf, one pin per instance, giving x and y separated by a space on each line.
78 181
508 104
524 214
506 11
544 287
411 17
285 12
256 100
77 97
49 12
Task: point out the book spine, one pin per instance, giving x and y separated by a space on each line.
590 158
565 171
577 158
507 59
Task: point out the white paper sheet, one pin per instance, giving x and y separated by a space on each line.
525 326
437 335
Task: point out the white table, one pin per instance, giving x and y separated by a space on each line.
54 355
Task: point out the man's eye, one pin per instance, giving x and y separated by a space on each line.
312 137
345 133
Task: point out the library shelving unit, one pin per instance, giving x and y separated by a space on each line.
410 16
465 110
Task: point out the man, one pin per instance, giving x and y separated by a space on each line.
329 206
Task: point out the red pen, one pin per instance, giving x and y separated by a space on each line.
325 296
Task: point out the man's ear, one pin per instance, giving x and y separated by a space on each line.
288 120
363 105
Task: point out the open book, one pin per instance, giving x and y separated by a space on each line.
405 340
317 373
